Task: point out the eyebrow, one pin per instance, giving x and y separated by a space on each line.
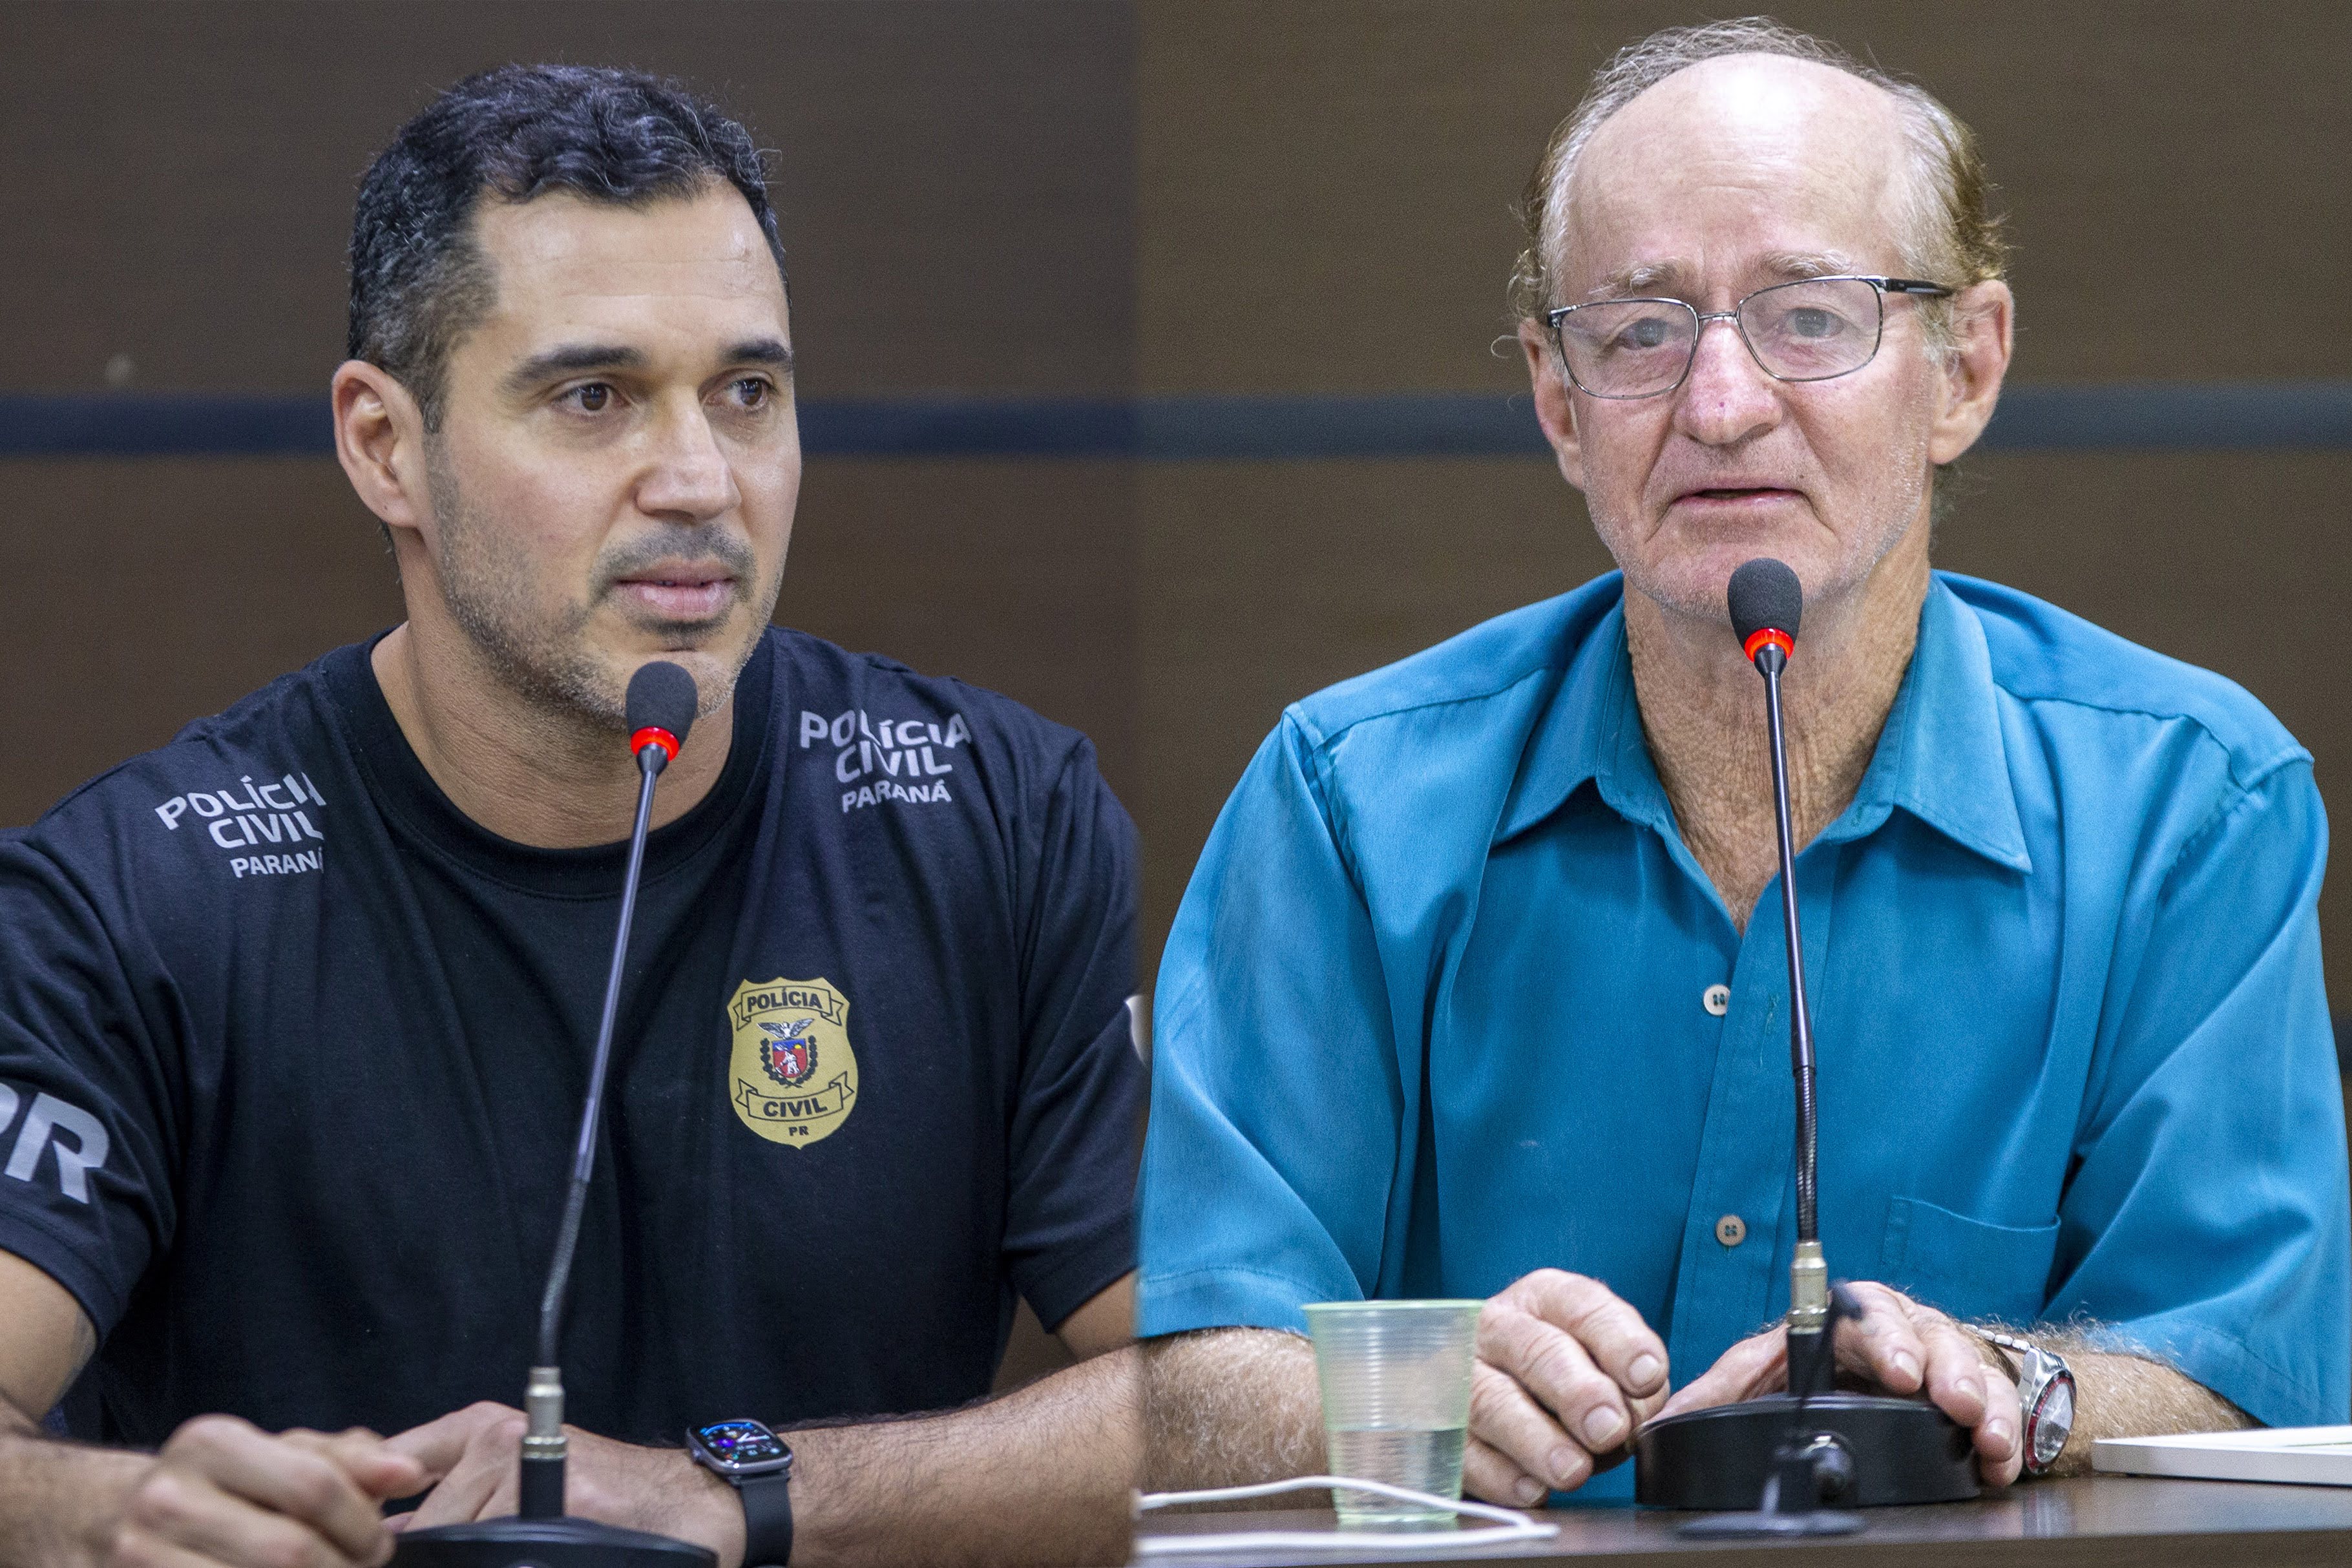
1799 264
571 359
762 352
1653 278
574 359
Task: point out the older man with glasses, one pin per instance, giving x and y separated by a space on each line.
1468 995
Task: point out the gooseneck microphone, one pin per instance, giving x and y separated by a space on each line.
1767 603
1783 1464
661 705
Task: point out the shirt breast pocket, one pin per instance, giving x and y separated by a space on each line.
1969 1267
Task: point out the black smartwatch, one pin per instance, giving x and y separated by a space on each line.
759 1465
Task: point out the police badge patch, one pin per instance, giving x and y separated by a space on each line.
794 1077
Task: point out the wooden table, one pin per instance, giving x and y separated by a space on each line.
2095 1519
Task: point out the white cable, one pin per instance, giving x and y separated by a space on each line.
1514 1526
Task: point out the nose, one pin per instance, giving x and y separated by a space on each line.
1726 398
690 480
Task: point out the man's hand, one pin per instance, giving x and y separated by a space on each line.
1901 1346
224 1491
1566 1371
469 1459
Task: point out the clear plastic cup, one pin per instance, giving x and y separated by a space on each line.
1396 1400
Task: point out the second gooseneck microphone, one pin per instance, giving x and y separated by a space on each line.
660 710
1781 1464
1767 604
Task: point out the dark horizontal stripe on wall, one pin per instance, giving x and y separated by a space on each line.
2115 417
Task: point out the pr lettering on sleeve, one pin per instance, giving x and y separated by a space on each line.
82 1149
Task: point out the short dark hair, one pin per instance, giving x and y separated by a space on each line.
419 281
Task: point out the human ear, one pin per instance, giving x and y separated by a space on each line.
1983 321
1555 410
380 442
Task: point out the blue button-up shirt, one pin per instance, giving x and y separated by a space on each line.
1435 1010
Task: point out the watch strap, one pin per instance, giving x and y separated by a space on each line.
2007 1341
767 1520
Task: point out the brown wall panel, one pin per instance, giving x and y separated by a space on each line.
140 595
1325 187
952 180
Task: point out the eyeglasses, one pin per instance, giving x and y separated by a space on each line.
1809 330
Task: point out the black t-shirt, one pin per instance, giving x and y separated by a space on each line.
292 1055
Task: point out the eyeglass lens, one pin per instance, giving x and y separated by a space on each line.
1804 331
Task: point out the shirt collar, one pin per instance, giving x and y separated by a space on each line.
1940 756
1590 730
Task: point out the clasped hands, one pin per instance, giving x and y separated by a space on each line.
1567 1373
223 1492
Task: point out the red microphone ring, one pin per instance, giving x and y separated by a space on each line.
654 734
1770 636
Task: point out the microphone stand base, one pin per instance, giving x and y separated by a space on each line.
1895 1451
565 1542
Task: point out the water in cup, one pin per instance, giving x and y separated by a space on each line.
1426 1458
1395 1379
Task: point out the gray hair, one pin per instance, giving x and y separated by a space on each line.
1948 233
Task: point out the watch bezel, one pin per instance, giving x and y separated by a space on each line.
737 1470
2035 1417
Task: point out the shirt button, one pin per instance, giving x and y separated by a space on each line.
1716 999
1731 1230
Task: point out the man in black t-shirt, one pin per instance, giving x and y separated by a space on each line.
296 1012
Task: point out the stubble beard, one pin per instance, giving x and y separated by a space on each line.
549 659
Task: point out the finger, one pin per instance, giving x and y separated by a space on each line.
1884 1343
176 1507
1612 1333
1489 1473
1506 1418
506 1492
1647 1407
1956 1372
1554 1369
466 1492
376 1468
1757 1365
2001 1435
283 1477
437 1446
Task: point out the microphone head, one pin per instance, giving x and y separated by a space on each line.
662 700
1765 597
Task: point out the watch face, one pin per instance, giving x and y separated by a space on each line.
741 1443
2054 1418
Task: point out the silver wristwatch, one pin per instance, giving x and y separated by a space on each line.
2045 1393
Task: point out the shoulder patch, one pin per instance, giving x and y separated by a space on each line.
261 829
885 760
